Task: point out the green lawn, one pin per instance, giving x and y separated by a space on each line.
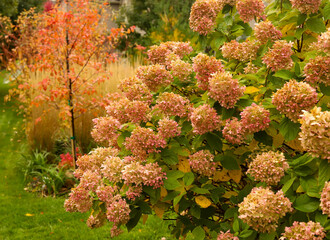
24 215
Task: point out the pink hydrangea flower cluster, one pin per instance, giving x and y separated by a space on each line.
294 97
234 131
79 200
105 129
180 69
279 56
251 68
226 236
150 174
128 111
172 104
112 168
90 180
96 221
265 31
315 132
268 167
318 70
202 16
245 51
202 163
134 89
106 193
250 9
205 66
255 118
301 230
154 76
144 141
323 42
158 54
262 209
225 89
168 128
204 119
94 160
325 199
306 6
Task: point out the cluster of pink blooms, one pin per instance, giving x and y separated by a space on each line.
268 167
202 16
134 89
225 89
105 129
315 132
279 56
255 118
251 68
204 119
306 6
265 31
262 209
234 132
168 128
202 163
245 51
154 76
294 97
318 70
125 110
144 141
180 69
79 200
94 160
172 104
226 236
250 9
158 54
96 221
323 42
325 199
112 168
205 66
302 230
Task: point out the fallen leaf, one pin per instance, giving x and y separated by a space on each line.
29 215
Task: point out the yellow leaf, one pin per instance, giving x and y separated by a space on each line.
149 124
296 145
253 145
184 165
221 176
229 194
258 97
144 218
29 215
251 89
176 208
163 192
241 150
300 189
159 209
236 175
202 201
278 140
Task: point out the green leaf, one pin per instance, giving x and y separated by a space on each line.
324 172
289 129
245 233
121 138
236 225
171 183
196 211
301 18
200 190
284 74
169 156
316 25
170 196
326 11
135 216
230 213
267 236
199 233
214 141
177 199
325 89
264 138
227 113
306 204
288 184
228 161
145 208
188 178
302 160
321 218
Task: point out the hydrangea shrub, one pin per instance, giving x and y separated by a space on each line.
228 135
